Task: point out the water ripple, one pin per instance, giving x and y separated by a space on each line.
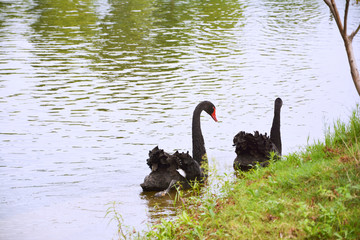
88 88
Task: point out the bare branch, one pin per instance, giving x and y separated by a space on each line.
336 15
346 16
352 35
328 3
330 6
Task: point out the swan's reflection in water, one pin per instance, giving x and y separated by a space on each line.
170 205
161 207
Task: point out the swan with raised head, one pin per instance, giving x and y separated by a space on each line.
252 149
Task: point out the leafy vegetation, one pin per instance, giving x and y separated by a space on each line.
311 194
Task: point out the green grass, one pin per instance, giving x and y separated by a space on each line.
311 194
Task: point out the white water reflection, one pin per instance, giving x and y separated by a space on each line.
84 100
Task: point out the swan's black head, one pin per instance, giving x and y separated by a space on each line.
209 108
278 103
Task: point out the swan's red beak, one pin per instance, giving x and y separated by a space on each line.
213 115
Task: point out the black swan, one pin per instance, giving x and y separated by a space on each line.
164 166
252 149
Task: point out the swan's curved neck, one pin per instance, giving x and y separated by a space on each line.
275 135
198 145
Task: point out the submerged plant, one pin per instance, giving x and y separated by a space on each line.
122 231
115 216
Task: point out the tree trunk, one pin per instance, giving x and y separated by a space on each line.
352 63
347 39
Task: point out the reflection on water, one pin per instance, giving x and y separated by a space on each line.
87 88
160 207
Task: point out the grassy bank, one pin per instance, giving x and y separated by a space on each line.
312 194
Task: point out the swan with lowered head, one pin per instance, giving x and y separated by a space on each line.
164 166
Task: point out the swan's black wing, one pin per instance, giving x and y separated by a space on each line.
191 167
161 179
158 159
163 171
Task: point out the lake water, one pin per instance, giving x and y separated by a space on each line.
87 88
